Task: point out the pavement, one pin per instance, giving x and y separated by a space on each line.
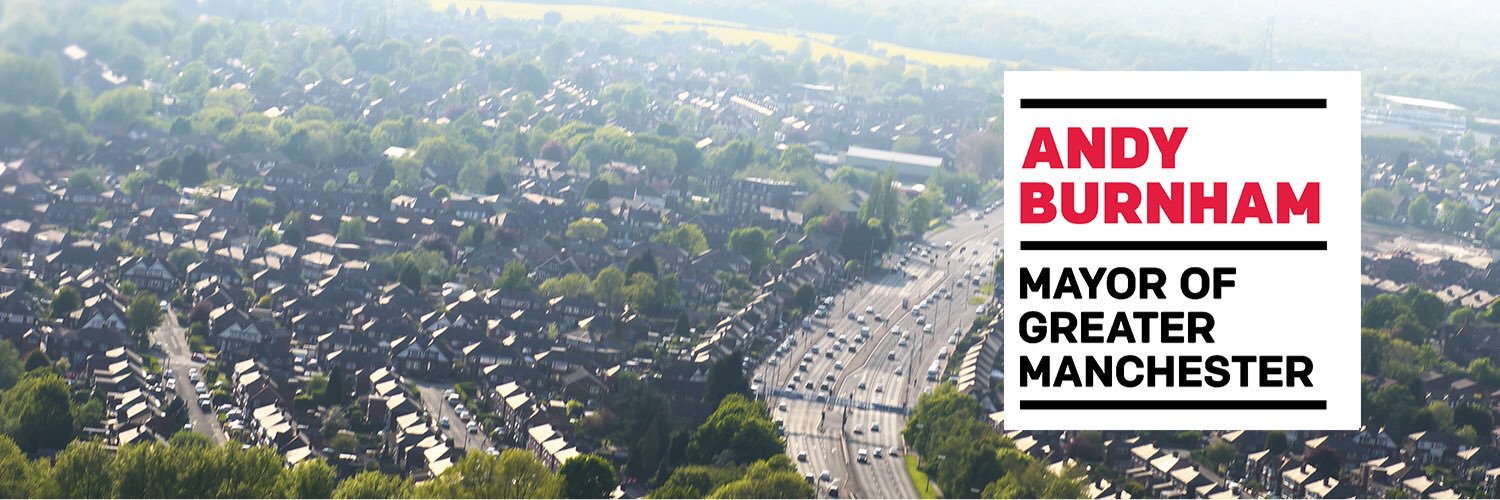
832 434
432 400
179 357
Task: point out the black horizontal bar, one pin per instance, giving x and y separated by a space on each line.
1173 404
1166 245
1171 103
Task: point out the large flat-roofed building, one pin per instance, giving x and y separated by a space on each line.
906 165
1393 114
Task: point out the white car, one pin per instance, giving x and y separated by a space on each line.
802 456
869 309
781 406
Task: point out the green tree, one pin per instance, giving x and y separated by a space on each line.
373 484
609 286
643 263
81 470
37 413
352 230
1377 203
135 181
598 189
258 211
144 314
1420 210
17 475
37 360
688 237
514 277
28 82
739 431
440 192
65 301
310 479
10 365
754 243
1276 442
571 285
587 476
513 474
587 229
123 106
773 477
805 298
1456 216
182 257
411 277
725 377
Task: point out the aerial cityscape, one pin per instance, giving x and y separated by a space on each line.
646 248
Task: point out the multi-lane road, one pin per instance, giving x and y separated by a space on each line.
862 406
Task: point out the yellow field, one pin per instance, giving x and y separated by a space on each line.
745 36
642 21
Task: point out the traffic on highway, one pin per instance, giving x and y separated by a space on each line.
841 386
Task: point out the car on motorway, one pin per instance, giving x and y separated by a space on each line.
979 310
791 386
898 373
905 303
802 367
947 244
825 476
861 384
926 328
878 452
875 427
952 339
445 423
893 452
831 333
829 377
852 349
864 331
879 319
879 388
815 350
921 320
828 354
864 455
781 406
802 456
890 356
901 342
860 319
851 315
808 385
859 430
869 309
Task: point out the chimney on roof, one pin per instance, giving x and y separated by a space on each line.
1328 481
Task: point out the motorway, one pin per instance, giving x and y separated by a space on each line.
179 357
894 376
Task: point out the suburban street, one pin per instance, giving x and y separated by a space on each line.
893 376
438 409
178 357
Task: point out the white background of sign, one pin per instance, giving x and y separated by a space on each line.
1283 302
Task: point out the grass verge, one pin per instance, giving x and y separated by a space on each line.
918 478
